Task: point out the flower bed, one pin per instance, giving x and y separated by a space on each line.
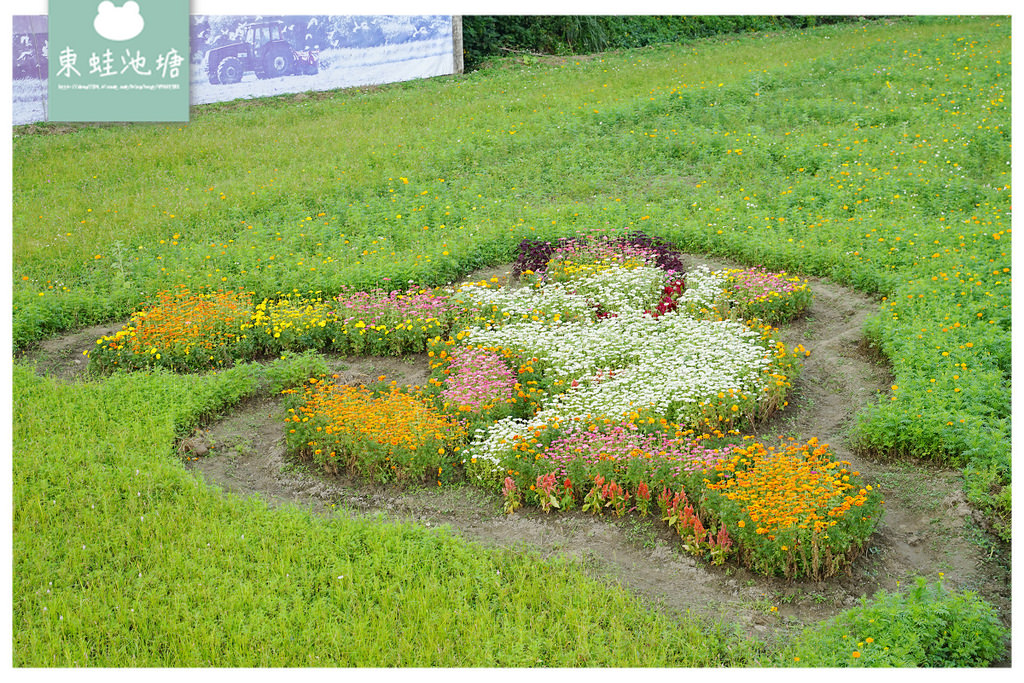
612 350
787 511
288 323
602 377
386 435
182 330
391 323
641 372
755 293
189 331
794 510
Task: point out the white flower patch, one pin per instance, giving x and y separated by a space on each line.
545 301
614 288
621 289
573 350
680 362
497 440
703 287
577 349
630 363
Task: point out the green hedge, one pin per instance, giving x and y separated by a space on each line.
487 36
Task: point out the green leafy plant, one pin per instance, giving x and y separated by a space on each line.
926 626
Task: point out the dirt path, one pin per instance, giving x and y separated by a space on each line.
62 357
928 527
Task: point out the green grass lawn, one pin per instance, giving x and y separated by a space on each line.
125 559
877 155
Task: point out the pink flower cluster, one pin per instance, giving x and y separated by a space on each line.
603 249
477 379
378 306
623 442
756 283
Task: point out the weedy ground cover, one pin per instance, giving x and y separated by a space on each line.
874 154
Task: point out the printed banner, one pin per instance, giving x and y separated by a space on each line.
236 56
257 56
126 62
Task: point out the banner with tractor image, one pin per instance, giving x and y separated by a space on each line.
256 56
241 57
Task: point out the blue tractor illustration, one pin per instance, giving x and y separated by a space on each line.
262 51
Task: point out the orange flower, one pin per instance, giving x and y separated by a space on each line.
795 487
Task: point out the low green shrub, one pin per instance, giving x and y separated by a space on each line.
928 626
292 369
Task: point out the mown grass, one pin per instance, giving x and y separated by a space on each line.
877 155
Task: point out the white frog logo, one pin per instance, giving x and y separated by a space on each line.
118 23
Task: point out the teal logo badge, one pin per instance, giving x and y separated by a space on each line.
119 61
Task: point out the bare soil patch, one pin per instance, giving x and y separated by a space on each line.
928 526
64 357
